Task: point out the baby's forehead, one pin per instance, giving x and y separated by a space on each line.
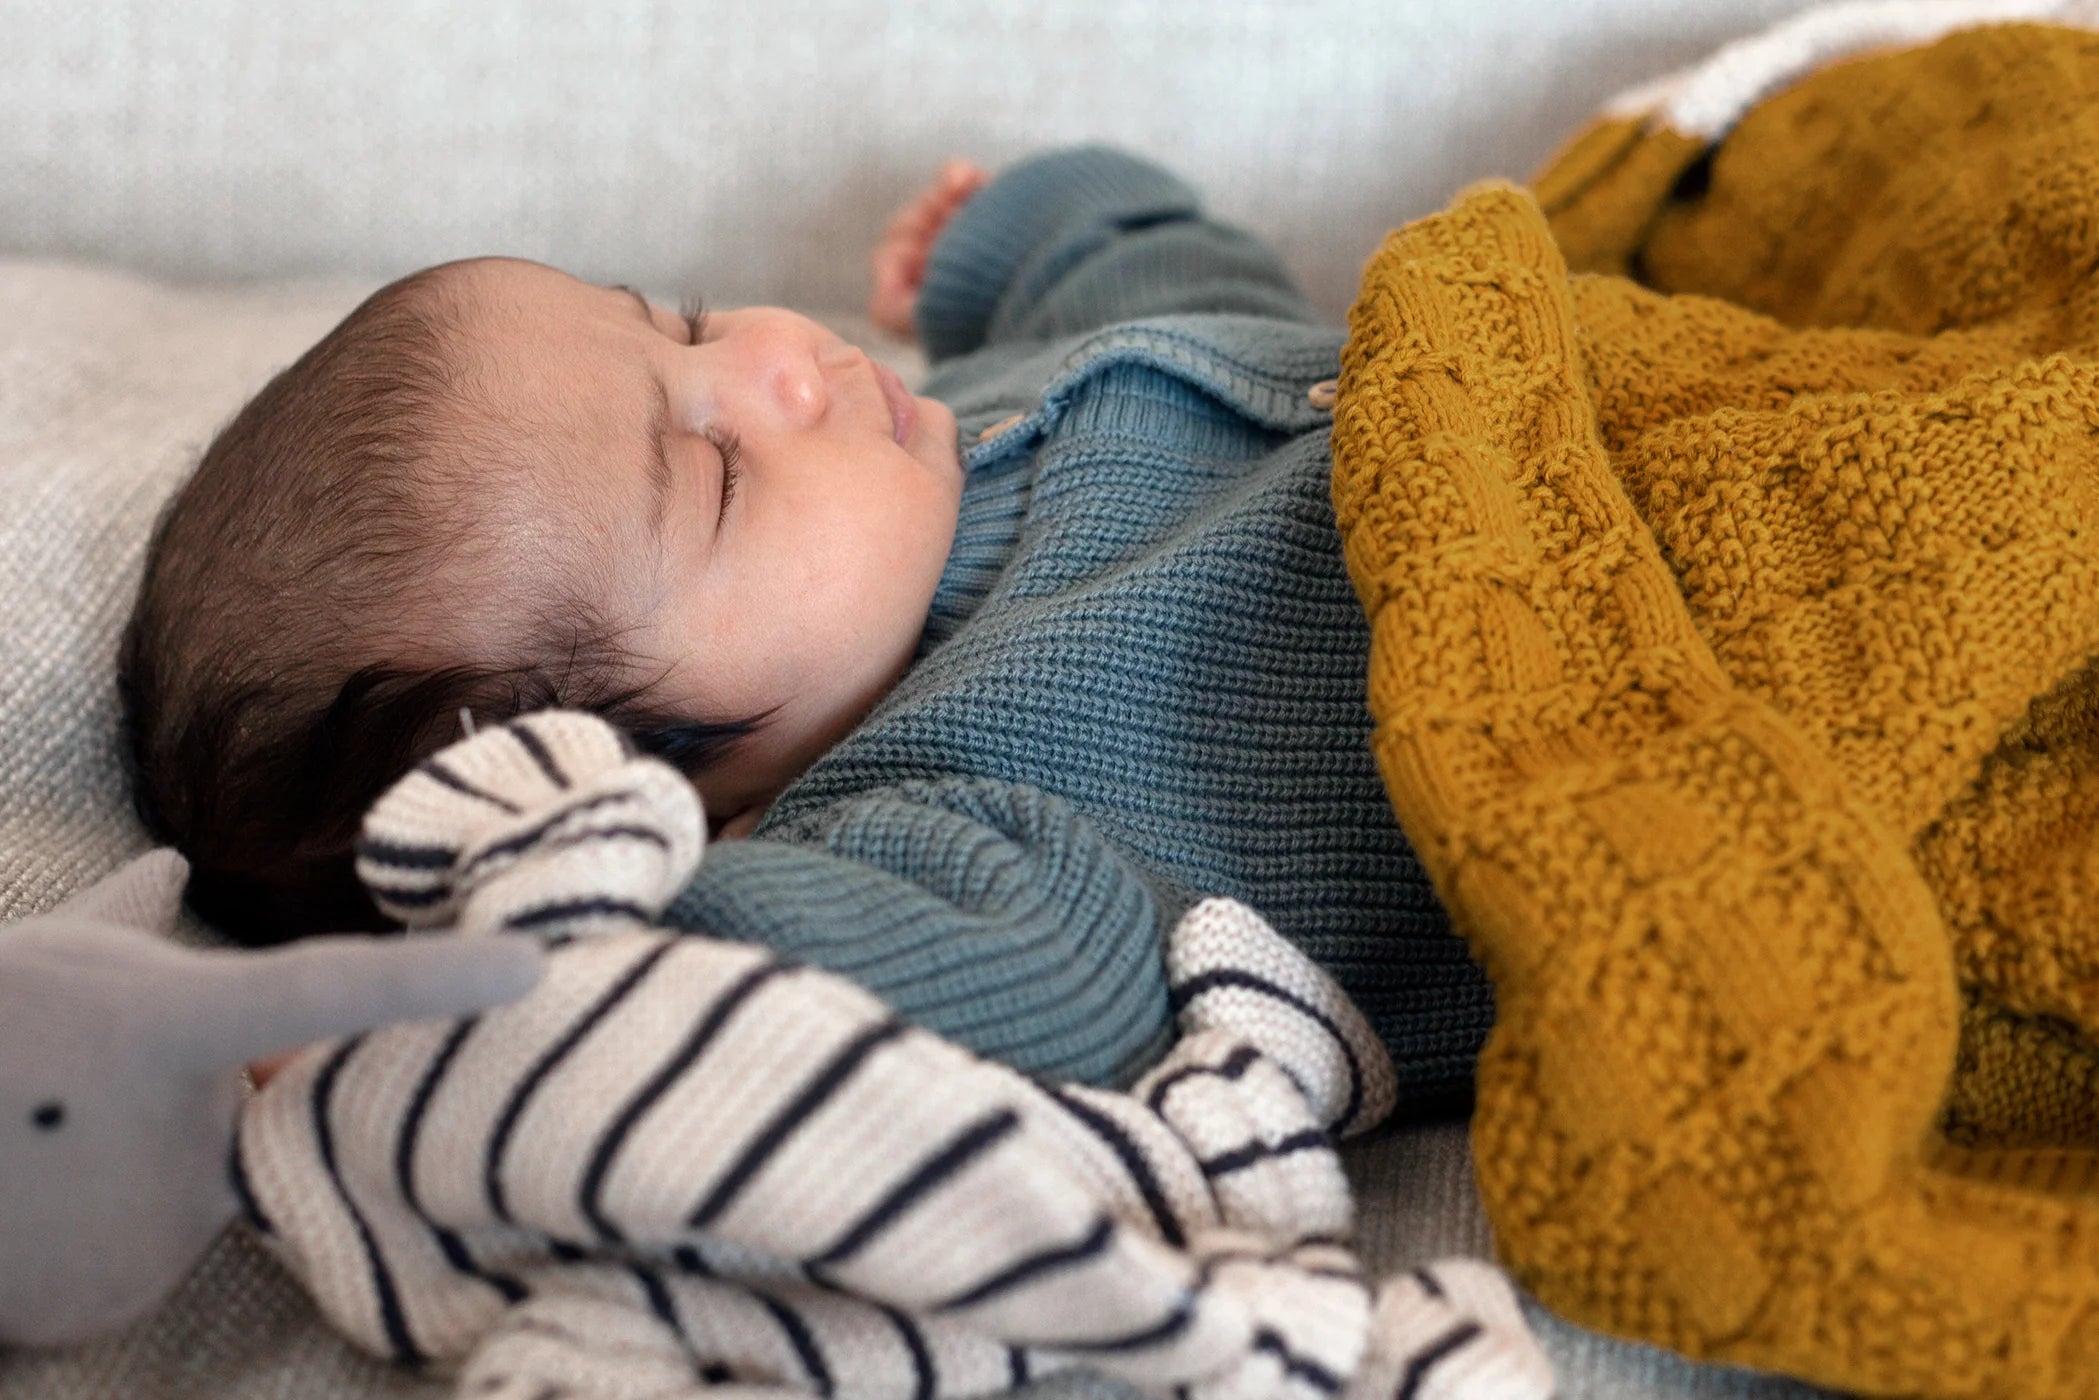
526 339
552 403
495 285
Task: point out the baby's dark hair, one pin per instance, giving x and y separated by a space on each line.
272 686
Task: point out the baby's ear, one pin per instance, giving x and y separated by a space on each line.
143 893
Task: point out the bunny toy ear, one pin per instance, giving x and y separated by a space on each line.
144 893
235 1007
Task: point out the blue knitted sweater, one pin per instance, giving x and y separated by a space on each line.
1142 679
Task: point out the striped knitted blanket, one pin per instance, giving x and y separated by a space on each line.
1735 613
685 1166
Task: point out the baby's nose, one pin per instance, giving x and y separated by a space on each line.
804 372
798 385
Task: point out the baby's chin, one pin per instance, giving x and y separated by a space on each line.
933 439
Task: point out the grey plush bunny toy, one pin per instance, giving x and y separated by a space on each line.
120 1079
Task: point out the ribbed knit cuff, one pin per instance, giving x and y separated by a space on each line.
987 912
1073 195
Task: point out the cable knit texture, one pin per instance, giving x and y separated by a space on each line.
1732 673
1142 679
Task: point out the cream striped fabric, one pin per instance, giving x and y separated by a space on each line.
684 1165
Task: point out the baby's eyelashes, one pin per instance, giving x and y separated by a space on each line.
731 448
693 311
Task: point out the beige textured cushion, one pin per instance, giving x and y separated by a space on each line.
109 387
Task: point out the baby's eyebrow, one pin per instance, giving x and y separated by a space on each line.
659 428
659 456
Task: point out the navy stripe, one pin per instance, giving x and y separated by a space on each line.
1234 977
689 1260
1064 1256
541 843
506 1124
442 774
666 1312
1133 1161
1016 1367
1417 1369
921 1357
935 1170
1240 1158
530 742
589 1194
1164 1330
390 1315
1304 1368
457 1256
448 1240
512 845
244 1189
1428 1282
403 856
813 1095
418 1104
1234 1067
411 899
553 913
803 1342
660 1302
1286 1254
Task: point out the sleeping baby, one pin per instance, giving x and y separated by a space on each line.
994 679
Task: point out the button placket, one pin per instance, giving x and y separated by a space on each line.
999 427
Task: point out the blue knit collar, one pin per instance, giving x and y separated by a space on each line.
994 503
1258 366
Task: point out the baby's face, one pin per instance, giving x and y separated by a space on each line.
767 506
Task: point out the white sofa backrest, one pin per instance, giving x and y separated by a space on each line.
749 149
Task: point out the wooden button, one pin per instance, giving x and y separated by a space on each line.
1323 394
999 427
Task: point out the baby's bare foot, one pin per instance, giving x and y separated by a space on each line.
899 260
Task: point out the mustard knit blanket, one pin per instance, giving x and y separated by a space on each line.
1734 607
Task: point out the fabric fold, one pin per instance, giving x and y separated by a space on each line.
1728 632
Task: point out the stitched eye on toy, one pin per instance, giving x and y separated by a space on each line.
48 1115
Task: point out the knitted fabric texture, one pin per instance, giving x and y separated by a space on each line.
1732 644
1142 679
682 1165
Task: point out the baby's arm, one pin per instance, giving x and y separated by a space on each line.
987 911
1073 240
